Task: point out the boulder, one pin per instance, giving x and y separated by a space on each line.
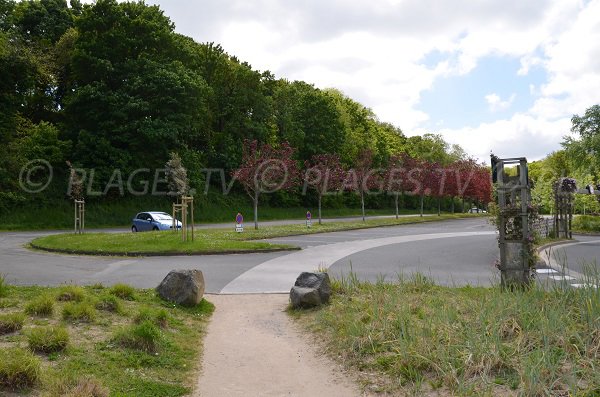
310 289
304 297
184 287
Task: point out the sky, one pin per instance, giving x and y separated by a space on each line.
502 76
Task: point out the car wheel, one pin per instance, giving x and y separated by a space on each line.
154 228
134 229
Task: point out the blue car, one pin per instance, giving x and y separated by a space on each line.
152 220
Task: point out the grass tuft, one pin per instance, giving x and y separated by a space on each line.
11 322
145 336
70 293
158 317
109 303
3 286
40 306
88 387
48 339
18 368
79 311
123 291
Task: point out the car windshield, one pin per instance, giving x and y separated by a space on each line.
162 217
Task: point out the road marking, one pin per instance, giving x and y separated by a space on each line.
545 271
277 275
587 285
562 277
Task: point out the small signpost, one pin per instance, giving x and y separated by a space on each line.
308 219
239 222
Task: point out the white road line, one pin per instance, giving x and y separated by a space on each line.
278 274
562 277
545 271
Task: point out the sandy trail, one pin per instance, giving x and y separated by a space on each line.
253 349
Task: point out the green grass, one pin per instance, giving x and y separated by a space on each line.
109 303
145 336
11 322
123 291
71 293
208 240
415 338
112 355
157 317
3 287
48 339
18 368
586 224
42 305
79 311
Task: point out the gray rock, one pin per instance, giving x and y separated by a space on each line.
304 297
319 281
310 289
185 287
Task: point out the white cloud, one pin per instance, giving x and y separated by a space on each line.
495 103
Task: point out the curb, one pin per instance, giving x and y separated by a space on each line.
146 254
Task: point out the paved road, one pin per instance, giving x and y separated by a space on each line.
456 252
575 263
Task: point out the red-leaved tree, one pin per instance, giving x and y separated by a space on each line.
395 178
324 173
362 177
266 169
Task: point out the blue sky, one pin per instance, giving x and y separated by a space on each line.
488 75
458 101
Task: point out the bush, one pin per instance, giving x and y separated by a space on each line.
18 368
109 303
144 336
3 287
123 291
48 339
40 306
11 322
157 317
71 293
79 311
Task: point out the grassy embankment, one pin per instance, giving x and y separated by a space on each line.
416 338
206 240
586 224
94 341
118 213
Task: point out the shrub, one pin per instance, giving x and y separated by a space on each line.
123 291
40 306
157 317
11 322
144 336
109 303
79 311
71 293
3 287
48 339
18 368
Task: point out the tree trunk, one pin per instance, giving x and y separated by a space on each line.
422 198
256 212
453 205
320 209
463 205
439 206
396 202
362 204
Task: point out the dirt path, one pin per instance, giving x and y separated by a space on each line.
254 349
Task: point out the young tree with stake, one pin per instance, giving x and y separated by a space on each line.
324 173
